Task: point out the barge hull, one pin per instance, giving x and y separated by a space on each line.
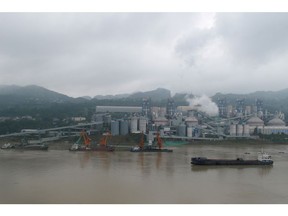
152 150
107 149
196 161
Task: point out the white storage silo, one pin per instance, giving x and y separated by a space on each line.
232 130
142 124
239 129
114 128
189 131
182 130
124 127
246 130
134 125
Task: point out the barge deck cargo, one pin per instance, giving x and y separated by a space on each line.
263 159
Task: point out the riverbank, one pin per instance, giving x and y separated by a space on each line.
126 142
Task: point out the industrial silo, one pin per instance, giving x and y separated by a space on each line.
189 131
134 125
114 128
142 124
246 130
239 130
124 127
182 130
232 130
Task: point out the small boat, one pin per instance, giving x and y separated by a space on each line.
150 148
84 144
8 146
25 146
263 159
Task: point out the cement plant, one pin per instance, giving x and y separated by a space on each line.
201 120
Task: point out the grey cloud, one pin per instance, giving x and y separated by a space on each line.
254 37
189 46
108 53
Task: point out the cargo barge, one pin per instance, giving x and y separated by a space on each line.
84 144
263 159
150 148
25 146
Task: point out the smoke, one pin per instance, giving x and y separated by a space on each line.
203 104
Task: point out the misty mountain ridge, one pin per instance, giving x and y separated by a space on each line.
37 93
32 93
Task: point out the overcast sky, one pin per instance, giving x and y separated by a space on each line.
81 54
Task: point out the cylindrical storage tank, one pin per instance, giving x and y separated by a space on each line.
124 127
134 125
189 131
232 130
142 124
114 128
246 130
182 130
239 129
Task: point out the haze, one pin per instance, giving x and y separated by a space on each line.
81 54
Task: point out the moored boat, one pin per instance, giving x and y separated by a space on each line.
263 159
25 146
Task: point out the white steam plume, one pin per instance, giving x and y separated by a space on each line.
203 104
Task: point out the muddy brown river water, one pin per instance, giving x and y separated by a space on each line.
120 177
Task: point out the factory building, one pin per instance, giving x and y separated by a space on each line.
161 121
170 108
146 107
190 123
222 106
190 120
267 130
274 126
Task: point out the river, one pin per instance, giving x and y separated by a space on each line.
122 177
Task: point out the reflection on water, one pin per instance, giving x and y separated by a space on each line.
125 177
261 170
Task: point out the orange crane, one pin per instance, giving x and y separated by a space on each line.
104 139
84 139
159 141
141 143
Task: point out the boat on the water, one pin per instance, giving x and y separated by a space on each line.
25 146
263 159
84 144
150 148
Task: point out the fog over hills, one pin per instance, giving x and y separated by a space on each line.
33 92
43 93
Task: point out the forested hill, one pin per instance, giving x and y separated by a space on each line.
32 93
16 97
272 100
